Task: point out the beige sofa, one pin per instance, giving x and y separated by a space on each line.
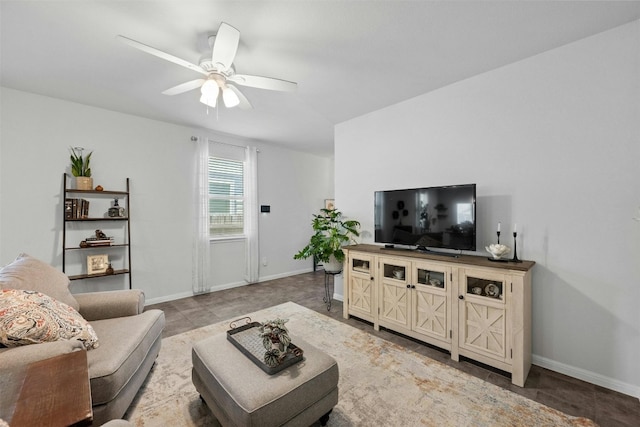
129 338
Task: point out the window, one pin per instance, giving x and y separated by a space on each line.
226 197
465 213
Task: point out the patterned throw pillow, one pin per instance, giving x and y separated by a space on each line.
29 317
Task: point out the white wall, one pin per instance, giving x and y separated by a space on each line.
553 143
294 185
158 158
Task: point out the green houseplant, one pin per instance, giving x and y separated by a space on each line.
276 341
331 232
80 168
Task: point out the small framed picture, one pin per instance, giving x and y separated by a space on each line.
97 264
329 204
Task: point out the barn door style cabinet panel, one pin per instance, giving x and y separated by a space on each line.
494 319
431 305
96 233
361 286
467 305
414 299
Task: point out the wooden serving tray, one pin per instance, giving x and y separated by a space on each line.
247 339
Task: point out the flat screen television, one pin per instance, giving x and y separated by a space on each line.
431 217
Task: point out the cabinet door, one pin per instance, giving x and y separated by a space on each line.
394 292
361 296
430 304
482 311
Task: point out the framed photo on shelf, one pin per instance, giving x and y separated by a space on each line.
329 204
97 264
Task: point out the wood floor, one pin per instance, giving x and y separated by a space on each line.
569 395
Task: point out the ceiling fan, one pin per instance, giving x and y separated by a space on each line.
218 71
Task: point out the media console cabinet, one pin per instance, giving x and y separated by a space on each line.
468 305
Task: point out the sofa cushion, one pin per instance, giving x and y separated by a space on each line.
124 345
29 273
29 317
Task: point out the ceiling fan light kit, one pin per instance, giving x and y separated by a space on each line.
209 88
219 71
209 92
230 98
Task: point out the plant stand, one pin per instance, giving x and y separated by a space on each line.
329 280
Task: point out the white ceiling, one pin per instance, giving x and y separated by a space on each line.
348 57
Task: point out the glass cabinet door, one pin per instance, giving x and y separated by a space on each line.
394 292
361 290
361 264
488 288
483 315
431 307
429 277
396 270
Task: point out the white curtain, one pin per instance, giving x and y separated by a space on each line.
201 257
251 214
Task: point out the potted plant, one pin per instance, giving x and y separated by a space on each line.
331 232
276 340
81 169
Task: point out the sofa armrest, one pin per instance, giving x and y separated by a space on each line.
110 304
16 357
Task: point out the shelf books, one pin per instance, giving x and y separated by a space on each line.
95 241
99 242
76 208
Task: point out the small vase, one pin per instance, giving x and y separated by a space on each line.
84 183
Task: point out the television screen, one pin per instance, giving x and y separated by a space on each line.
432 217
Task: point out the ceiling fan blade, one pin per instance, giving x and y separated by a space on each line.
160 54
184 87
264 82
225 46
244 102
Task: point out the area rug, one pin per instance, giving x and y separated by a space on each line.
381 384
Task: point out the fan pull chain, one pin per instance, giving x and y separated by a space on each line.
216 109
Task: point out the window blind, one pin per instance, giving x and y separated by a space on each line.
226 196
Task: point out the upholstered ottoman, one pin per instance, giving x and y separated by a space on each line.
239 393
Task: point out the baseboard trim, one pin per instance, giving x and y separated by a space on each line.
588 376
222 287
287 274
167 298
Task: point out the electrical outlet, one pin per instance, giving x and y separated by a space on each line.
264 261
